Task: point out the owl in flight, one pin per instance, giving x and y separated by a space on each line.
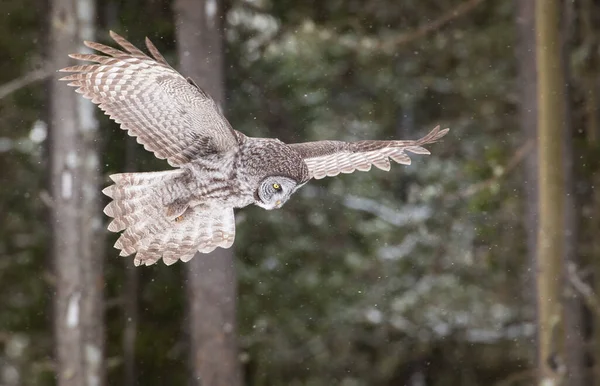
174 214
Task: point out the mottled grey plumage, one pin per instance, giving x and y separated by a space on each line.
174 214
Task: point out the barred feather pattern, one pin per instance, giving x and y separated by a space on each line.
169 115
153 231
330 158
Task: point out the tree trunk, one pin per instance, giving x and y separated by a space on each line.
591 69
574 338
551 246
527 73
92 232
130 305
75 214
211 279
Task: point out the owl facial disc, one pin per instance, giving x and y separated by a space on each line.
274 191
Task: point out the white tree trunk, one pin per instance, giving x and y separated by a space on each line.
76 221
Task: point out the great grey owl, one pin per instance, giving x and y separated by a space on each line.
173 214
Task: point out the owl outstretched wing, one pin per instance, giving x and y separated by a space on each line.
330 158
169 114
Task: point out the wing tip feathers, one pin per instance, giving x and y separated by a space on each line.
114 35
434 135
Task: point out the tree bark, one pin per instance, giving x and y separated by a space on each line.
527 75
551 245
92 232
574 339
211 279
591 69
76 224
130 305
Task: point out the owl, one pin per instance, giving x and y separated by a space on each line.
175 213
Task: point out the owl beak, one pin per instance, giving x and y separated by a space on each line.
278 204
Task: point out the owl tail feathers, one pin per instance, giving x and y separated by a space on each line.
137 207
135 195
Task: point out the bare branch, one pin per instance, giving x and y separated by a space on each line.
46 198
432 26
518 377
408 215
514 161
254 8
584 289
17 84
387 44
114 302
391 44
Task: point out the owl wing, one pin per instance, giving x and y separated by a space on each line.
169 114
330 158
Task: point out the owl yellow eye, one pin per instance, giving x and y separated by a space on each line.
276 186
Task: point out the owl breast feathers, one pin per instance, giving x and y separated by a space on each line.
176 213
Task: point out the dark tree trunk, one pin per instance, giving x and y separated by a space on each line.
75 213
528 115
574 332
211 279
551 241
588 16
130 295
527 76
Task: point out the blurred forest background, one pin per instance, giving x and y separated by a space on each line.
423 276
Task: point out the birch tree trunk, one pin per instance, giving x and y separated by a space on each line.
551 246
76 221
211 279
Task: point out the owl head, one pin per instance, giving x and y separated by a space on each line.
274 191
